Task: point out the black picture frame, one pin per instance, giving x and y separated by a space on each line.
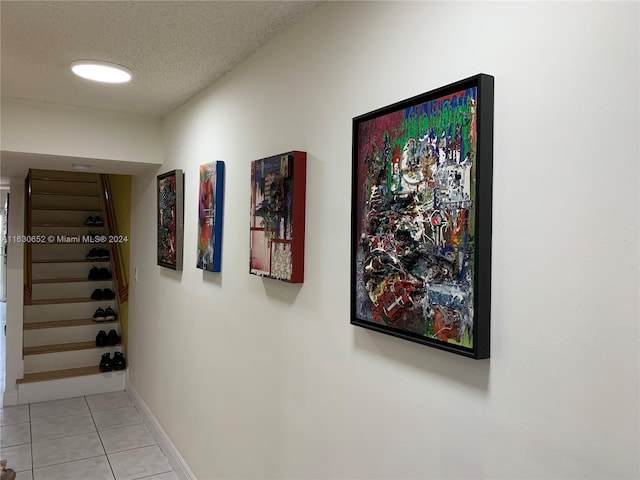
422 173
170 219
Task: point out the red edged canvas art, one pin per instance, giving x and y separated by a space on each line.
278 187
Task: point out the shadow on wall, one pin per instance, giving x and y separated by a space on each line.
170 273
214 278
282 292
454 368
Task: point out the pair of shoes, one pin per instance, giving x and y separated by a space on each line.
106 315
94 221
98 254
106 294
99 274
118 362
111 338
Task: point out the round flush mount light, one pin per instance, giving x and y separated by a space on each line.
99 71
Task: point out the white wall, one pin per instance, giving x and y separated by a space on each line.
3 277
15 294
255 378
45 128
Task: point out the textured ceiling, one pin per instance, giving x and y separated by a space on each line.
175 49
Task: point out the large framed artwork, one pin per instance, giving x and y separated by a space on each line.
210 205
170 219
278 187
421 218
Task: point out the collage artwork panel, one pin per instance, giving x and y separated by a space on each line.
277 217
415 219
210 208
167 220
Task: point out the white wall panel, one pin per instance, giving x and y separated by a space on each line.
269 380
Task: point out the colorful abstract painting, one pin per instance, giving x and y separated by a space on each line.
170 219
210 205
278 187
421 227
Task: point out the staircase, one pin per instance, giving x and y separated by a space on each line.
60 355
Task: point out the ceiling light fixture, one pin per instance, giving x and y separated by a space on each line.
99 71
80 166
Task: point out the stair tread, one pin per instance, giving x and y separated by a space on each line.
65 180
66 225
65 280
68 260
56 301
58 374
74 322
64 347
70 209
67 194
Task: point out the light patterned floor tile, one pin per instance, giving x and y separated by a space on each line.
70 438
108 401
59 408
28 475
96 468
139 463
118 417
13 415
67 449
162 476
126 438
17 434
59 427
18 458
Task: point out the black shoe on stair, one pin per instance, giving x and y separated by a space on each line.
119 363
113 338
101 338
110 314
100 316
105 363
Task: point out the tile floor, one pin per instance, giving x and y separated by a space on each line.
98 437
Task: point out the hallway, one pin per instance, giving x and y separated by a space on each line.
99 437
105 438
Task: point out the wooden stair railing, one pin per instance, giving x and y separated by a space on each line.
28 285
118 272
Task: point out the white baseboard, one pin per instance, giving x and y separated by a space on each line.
10 398
173 455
